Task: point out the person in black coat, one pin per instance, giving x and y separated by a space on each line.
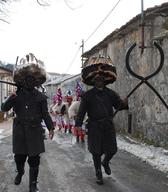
30 108
98 103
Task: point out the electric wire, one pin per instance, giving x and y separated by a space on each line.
72 61
103 21
74 58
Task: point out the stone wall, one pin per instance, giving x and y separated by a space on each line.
149 115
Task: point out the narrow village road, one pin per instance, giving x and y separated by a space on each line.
67 167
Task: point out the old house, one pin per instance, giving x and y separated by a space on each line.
5 89
147 117
65 82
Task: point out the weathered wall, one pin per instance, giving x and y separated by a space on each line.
149 115
5 89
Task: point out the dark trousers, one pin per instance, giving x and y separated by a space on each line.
33 161
97 159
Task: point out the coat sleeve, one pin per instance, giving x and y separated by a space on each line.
46 116
81 113
8 103
119 103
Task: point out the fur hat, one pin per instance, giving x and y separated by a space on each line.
30 66
98 66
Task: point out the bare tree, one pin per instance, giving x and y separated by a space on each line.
42 3
4 8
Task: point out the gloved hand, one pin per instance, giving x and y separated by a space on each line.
11 97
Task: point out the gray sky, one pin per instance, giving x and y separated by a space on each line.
54 33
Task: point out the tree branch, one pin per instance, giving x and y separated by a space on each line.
42 3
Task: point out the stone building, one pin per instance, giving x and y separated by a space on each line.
65 82
147 117
5 89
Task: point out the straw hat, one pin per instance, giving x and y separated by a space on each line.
98 66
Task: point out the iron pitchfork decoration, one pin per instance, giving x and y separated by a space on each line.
145 79
142 47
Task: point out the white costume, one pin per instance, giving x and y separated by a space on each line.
57 110
67 121
72 111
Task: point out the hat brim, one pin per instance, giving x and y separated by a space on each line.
108 71
30 70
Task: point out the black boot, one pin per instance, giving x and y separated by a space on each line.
99 177
65 130
106 167
77 139
70 131
33 174
105 163
97 165
18 178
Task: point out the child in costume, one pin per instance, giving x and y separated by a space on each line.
73 110
67 121
58 110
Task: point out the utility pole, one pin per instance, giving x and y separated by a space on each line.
142 46
82 51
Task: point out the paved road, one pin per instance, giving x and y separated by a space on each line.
67 167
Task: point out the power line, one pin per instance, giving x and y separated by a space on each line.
92 35
103 21
70 65
75 56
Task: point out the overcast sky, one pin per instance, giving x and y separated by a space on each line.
54 33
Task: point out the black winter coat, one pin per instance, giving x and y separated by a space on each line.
99 107
30 108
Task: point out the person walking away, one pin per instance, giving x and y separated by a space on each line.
72 111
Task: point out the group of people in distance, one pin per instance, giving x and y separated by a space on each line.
64 110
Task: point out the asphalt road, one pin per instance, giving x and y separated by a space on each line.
67 167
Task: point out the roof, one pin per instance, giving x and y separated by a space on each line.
6 69
59 80
125 29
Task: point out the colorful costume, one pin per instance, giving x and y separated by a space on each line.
67 121
58 109
73 110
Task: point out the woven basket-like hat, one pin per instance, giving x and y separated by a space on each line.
30 66
98 66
